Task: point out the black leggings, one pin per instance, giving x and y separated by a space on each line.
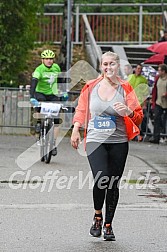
107 163
158 122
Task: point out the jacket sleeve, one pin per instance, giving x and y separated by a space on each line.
34 82
81 109
138 116
134 105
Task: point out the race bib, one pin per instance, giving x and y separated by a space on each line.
105 123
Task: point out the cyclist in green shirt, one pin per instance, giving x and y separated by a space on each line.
44 84
44 78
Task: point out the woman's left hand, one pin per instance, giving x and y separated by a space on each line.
122 109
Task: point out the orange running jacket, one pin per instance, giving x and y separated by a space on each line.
82 114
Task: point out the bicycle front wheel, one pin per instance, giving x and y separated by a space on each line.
42 144
48 143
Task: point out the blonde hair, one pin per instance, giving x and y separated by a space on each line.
110 54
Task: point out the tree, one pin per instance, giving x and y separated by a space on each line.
18 30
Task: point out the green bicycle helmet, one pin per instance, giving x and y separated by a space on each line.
47 54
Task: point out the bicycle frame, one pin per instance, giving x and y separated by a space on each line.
46 136
47 139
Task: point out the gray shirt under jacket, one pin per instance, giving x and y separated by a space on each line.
100 108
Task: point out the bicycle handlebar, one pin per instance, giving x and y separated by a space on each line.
48 107
51 108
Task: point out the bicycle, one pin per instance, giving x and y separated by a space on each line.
49 111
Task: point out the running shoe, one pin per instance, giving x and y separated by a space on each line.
54 151
37 128
96 227
108 234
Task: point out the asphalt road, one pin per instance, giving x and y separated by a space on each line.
56 213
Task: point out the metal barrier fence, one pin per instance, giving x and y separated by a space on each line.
16 118
140 27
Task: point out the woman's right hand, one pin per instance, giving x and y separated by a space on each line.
75 138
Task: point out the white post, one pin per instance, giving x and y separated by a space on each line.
77 25
140 24
68 35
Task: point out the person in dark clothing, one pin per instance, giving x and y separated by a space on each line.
159 101
163 39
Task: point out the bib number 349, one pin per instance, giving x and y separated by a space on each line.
105 123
